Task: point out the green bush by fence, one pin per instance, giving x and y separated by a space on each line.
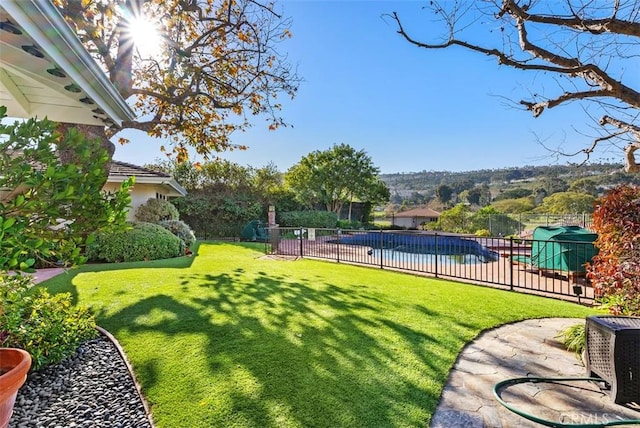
318 219
217 216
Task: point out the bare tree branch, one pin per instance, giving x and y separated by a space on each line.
538 107
593 26
598 38
631 148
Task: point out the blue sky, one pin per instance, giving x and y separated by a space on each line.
408 108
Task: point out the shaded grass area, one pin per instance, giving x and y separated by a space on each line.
231 339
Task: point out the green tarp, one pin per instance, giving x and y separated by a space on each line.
562 248
254 231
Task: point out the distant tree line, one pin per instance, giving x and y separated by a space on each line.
549 189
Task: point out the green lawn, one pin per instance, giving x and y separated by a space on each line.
228 339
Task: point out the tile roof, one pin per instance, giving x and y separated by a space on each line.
418 212
117 168
119 171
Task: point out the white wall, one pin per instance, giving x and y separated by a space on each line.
403 221
140 193
411 221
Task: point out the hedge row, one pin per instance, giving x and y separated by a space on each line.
319 219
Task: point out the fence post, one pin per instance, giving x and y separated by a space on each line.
381 255
520 225
301 242
339 233
435 250
511 263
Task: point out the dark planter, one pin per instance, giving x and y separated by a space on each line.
14 365
613 350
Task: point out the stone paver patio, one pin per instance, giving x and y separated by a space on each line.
523 349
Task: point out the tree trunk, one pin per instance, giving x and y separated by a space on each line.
66 152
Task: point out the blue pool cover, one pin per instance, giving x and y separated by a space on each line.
420 244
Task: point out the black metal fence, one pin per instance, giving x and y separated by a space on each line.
525 223
508 224
553 269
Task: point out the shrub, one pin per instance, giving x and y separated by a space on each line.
454 219
156 210
49 327
308 219
144 241
49 178
615 270
574 338
497 223
52 177
482 233
181 230
346 224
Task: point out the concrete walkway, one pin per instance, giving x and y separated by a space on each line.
524 349
44 274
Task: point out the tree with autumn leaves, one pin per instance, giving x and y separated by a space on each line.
217 66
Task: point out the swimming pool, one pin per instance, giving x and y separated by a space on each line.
461 248
397 256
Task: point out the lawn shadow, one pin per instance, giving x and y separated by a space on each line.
313 348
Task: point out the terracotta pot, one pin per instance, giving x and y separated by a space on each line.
14 365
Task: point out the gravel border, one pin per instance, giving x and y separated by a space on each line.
93 388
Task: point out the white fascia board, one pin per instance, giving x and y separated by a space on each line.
178 188
46 26
167 181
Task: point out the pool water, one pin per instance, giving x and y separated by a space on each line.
391 256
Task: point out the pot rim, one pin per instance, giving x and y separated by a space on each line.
18 361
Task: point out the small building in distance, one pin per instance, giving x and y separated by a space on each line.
415 218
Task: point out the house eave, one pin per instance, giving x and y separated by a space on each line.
47 28
165 181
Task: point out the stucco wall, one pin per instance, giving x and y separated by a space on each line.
412 221
403 222
140 193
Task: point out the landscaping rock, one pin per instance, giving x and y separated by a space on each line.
73 392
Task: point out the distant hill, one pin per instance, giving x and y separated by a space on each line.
426 182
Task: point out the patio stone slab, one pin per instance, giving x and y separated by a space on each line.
524 349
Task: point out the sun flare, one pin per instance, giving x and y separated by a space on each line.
146 36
